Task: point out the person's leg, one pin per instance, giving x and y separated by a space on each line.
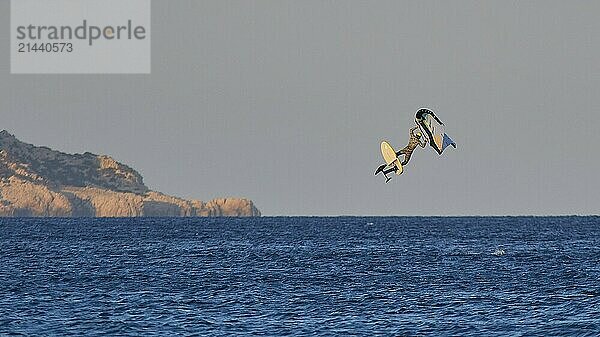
406 158
401 152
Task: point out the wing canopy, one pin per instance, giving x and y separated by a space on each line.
433 127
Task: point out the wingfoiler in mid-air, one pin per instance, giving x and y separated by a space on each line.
429 129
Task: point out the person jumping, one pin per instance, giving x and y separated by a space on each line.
416 139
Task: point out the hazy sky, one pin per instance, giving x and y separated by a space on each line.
285 102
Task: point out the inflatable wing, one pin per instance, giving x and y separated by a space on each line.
433 127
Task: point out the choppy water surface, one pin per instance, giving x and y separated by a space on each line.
300 276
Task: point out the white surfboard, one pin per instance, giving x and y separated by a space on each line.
389 155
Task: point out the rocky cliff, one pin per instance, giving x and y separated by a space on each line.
38 181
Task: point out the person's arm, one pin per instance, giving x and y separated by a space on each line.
412 132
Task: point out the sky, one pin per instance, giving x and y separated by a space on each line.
286 102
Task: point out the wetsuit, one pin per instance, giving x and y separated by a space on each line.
413 142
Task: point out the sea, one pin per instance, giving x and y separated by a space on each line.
300 276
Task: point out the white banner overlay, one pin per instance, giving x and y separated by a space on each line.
80 37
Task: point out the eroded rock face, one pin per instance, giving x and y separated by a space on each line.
38 181
25 198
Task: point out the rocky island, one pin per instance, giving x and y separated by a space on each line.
38 181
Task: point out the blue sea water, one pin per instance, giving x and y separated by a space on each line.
396 276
